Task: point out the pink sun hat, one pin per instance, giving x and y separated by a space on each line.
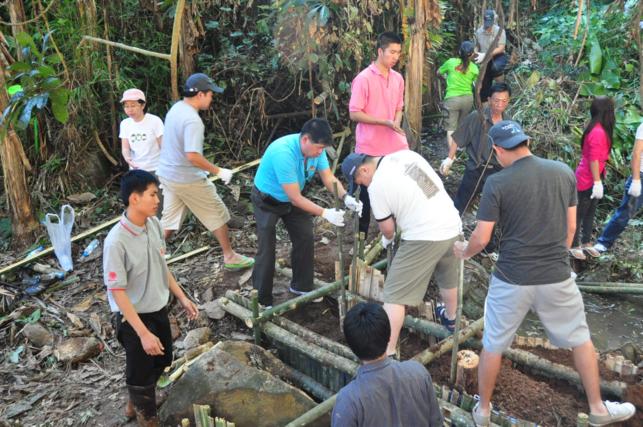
133 95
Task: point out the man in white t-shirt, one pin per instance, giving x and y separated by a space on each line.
632 200
405 191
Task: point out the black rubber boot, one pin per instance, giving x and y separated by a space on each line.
144 400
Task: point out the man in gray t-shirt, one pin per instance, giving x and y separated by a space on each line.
484 36
533 201
183 170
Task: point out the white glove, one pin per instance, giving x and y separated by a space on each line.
225 175
480 57
353 204
597 190
385 241
459 248
445 167
334 216
635 188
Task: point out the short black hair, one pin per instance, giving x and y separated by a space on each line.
386 38
136 181
499 87
367 330
319 131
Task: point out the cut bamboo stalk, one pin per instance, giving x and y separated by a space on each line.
340 247
130 48
201 415
467 371
299 330
315 413
611 284
611 290
188 255
582 420
291 340
256 326
185 422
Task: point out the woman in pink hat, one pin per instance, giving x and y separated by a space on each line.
141 133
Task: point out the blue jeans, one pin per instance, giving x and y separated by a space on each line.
628 208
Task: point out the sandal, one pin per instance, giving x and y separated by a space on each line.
577 253
244 262
592 251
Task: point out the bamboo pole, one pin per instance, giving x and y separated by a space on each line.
299 330
187 255
104 225
315 413
611 290
458 319
256 326
291 340
425 357
174 48
611 284
340 246
126 47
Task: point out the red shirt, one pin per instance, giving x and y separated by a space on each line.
596 147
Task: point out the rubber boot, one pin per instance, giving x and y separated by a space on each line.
143 399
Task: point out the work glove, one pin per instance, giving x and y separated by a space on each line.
385 241
445 167
597 190
480 57
635 188
353 204
334 216
225 175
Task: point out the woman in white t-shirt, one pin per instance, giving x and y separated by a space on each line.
141 134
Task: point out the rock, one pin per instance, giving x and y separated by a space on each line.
208 295
78 349
38 335
242 394
213 310
239 336
196 337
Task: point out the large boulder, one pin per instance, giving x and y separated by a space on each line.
231 379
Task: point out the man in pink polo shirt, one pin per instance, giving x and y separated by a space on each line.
377 99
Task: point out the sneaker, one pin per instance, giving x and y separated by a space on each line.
479 419
441 313
600 248
296 292
594 253
264 307
577 253
616 412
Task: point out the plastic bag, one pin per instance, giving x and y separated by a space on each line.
59 229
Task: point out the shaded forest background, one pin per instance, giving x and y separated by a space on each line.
281 62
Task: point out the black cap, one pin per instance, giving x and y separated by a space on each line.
349 166
507 134
199 82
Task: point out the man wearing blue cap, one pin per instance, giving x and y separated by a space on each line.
533 200
183 170
496 66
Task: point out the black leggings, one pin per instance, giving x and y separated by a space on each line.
585 212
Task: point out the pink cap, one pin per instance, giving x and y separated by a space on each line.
133 95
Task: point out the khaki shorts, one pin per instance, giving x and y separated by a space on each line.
200 197
413 266
558 305
458 107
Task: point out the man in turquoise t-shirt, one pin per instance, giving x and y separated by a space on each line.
287 165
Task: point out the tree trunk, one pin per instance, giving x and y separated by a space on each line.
413 77
17 16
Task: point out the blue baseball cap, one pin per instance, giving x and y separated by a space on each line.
507 134
349 166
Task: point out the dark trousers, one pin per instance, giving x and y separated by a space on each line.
495 68
469 188
365 219
628 208
299 225
141 369
585 211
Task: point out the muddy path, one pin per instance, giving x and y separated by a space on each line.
36 389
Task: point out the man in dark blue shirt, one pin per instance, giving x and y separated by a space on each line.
385 392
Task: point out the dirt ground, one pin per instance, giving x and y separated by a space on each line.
35 389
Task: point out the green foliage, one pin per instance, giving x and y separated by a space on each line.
40 84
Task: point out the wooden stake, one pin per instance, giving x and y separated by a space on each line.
256 326
340 248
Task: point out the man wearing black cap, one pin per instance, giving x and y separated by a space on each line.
183 170
533 200
484 37
405 191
